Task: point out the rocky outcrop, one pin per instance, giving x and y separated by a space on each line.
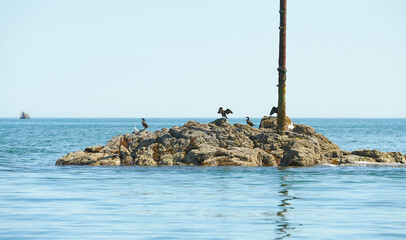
221 144
270 122
371 157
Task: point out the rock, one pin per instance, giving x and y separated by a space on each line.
397 157
267 159
221 144
93 149
300 154
374 154
112 146
144 156
127 161
367 156
113 160
92 159
166 160
304 129
237 156
79 158
271 122
146 162
381 157
221 122
345 153
355 160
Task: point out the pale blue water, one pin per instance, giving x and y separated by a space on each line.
39 200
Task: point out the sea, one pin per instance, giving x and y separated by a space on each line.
39 200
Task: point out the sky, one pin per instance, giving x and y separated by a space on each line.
186 58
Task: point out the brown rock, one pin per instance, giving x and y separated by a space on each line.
94 149
220 144
113 160
166 160
304 129
355 160
300 155
397 157
374 154
271 122
85 158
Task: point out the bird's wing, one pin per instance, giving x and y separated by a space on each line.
274 110
228 111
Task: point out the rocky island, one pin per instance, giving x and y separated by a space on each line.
222 144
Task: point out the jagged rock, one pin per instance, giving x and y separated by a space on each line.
127 161
371 157
344 153
301 153
352 159
113 160
166 160
92 159
112 146
221 144
378 156
197 155
304 129
94 149
375 154
271 122
79 158
397 156
221 122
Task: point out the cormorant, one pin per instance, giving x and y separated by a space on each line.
144 124
224 113
249 122
274 110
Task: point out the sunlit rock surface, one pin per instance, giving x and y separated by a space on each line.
221 144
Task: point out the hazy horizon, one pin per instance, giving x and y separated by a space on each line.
120 59
192 118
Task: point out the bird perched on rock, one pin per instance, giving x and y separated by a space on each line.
144 124
274 110
249 122
224 113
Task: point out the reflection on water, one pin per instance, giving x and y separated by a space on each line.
283 226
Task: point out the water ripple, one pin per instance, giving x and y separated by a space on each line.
42 201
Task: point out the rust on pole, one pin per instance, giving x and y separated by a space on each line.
282 69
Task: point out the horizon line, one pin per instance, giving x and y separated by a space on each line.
197 117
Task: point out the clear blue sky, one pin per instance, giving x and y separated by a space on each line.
185 58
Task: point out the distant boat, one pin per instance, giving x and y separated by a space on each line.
24 115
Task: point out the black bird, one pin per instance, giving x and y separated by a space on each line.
224 113
144 124
249 122
274 110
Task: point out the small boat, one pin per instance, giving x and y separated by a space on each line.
24 115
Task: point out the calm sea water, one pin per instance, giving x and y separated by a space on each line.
39 200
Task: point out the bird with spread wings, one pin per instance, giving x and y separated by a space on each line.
224 113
